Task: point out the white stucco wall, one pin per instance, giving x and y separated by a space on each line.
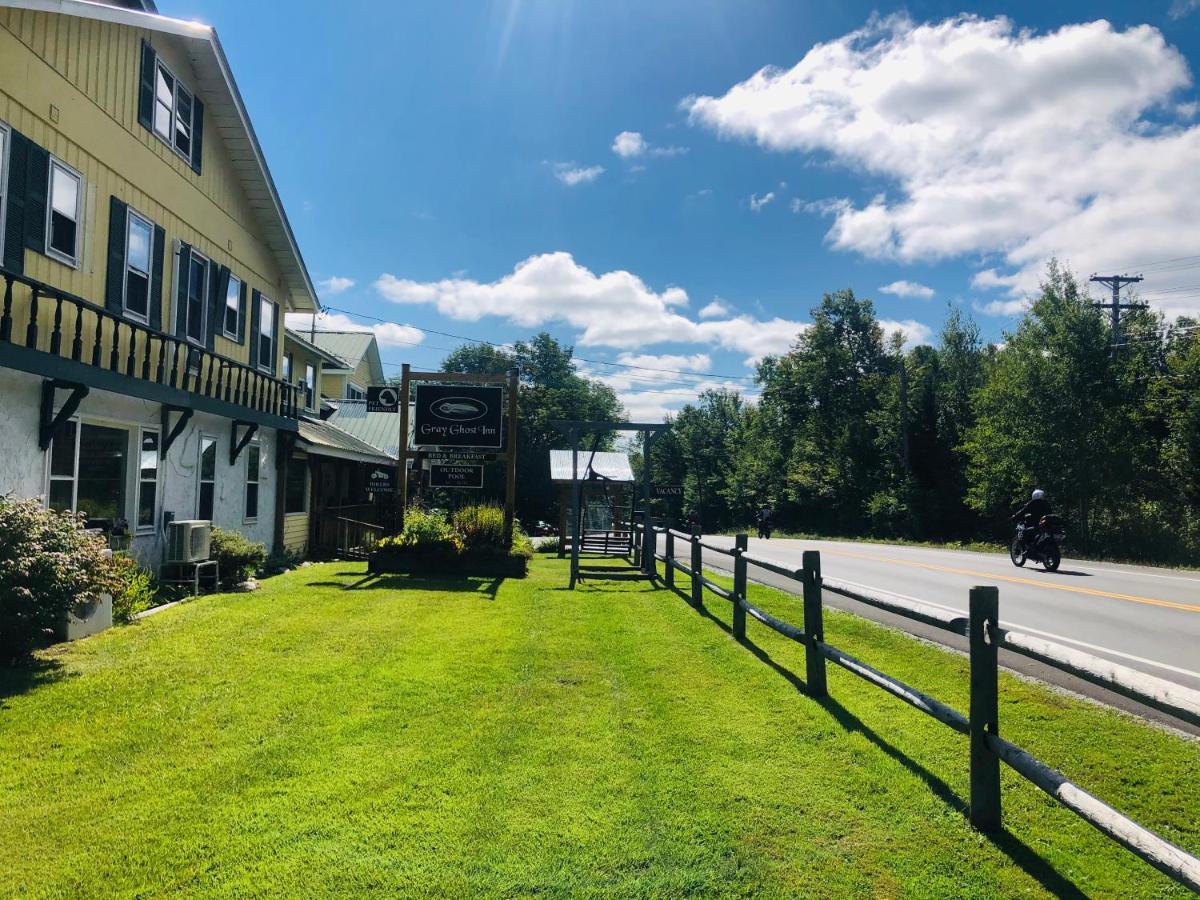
24 467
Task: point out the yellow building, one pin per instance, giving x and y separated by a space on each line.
147 266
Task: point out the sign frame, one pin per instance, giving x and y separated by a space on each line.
378 396
458 416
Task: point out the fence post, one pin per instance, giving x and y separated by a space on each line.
985 765
741 543
669 553
697 587
637 544
814 627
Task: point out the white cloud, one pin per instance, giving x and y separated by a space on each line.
716 309
571 174
994 140
389 334
649 393
614 309
335 285
1181 8
630 145
757 202
907 289
914 332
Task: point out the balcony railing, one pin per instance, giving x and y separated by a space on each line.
39 317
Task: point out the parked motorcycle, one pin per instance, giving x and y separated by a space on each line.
1041 544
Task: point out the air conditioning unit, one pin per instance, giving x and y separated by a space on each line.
188 540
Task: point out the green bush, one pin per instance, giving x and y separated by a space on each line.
137 591
481 526
428 534
237 557
279 562
550 545
49 566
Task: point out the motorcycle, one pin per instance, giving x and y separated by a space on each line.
1042 544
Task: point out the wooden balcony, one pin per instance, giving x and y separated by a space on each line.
47 332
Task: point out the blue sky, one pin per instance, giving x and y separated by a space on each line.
426 150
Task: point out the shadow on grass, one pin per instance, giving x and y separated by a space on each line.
1018 852
429 584
26 676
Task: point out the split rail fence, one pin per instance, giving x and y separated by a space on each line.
985 636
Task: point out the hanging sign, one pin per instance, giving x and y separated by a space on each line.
453 476
381 479
458 415
383 398
666 490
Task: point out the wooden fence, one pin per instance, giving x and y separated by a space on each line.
981 726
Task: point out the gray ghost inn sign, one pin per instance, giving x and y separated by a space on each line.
458 415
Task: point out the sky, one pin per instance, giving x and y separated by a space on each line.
671 186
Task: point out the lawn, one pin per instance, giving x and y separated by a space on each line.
464 737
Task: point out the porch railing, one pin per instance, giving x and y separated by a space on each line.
36 316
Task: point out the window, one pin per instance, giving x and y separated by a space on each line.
253 461
354 392
195 269
139 237
174 111
295 488
266 334
208 478
147 496
87 472
3 183
287 367
62 213
310 382
233 307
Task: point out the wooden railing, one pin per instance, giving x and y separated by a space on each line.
36 316
348 531
981 725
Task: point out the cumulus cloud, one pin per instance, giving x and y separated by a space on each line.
1181 8
571 174
335 285
757 202
613 309
715 309
907 289
630 145
389 334
663 383
914 332
993 141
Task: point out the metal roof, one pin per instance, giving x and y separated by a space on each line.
380 430
225 113
324 439
351 346
612 466
335 362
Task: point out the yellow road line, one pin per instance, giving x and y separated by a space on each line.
933 567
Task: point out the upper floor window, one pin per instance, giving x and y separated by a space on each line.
233 307
62 212
4 140
310 383
266 334
354 392
139 238
169 109
194 269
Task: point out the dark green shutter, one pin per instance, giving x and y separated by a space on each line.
255 305
214 276
114 283
274 338
36 188
222 293
197 133
14 227
181 290
146 86
156 277
242 315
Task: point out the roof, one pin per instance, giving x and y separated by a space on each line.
380 430
334 361
225 112
612 466
324 439
351 346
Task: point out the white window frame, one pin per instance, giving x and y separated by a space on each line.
359 393
310 386
237 308
200 481
72 261
264 302
178 86
138 527
186 270
6 137
75 423
130 215
256 481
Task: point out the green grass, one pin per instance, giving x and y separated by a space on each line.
460 738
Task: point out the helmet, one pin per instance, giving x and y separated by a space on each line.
1039 494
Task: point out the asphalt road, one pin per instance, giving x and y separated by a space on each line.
1145 618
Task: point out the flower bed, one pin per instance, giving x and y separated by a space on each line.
471 542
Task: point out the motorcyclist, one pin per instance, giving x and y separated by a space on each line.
764 522
1031 515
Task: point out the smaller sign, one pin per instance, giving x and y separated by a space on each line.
381 479
452 476
459 456
667 490
383 398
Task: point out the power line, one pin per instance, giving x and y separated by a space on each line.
1116 282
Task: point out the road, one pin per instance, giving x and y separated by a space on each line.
1145 618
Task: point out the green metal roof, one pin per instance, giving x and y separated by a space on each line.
351 346
325 439
380 430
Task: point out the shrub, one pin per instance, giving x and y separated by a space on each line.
137 591
550 545
481 526
521 544
237 557
427 534
279 562
49 566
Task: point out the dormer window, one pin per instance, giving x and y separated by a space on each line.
168 108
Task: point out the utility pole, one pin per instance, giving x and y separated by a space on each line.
1116 282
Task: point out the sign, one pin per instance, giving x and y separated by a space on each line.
383 398
460 456
458 415
452 476
381 479
667 490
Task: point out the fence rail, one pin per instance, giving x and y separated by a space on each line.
985 635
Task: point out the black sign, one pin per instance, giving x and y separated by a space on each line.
458 415
452 476
383 398
667 490
381 479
